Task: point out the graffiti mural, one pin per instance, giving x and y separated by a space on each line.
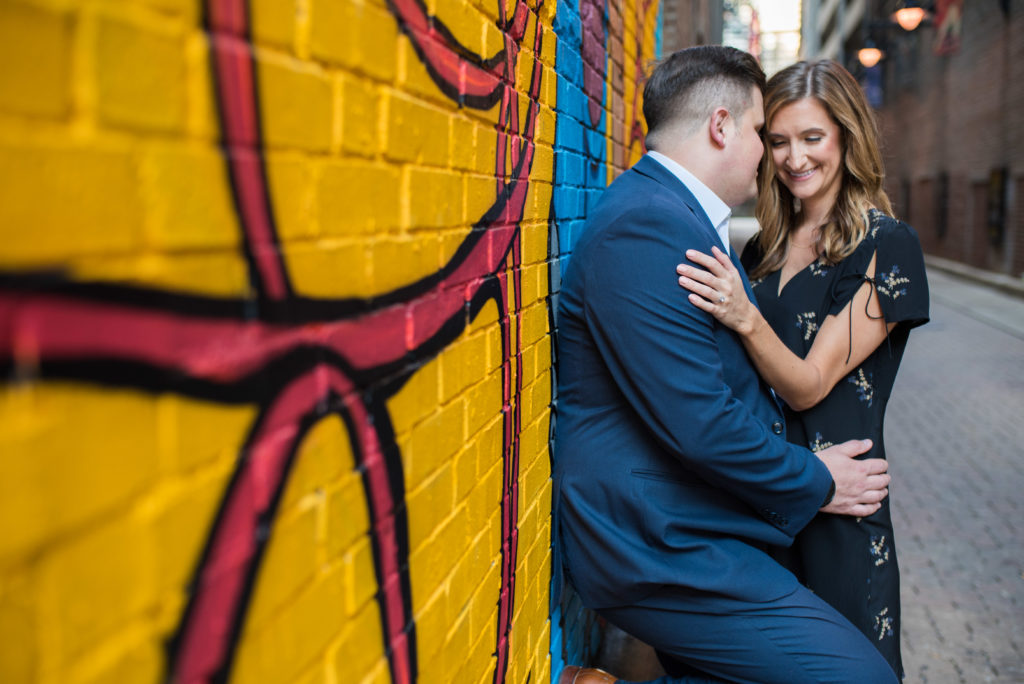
599 135
301 360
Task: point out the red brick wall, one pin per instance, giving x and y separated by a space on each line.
961 115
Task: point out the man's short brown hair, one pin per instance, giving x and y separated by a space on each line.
688 85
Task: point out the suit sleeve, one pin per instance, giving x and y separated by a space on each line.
663 355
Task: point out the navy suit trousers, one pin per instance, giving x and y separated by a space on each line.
797 639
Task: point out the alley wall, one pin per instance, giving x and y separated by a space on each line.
277 283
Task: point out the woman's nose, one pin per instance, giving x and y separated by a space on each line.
796 157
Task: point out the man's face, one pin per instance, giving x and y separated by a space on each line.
745 149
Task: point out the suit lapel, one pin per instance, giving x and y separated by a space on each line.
658 173
654 170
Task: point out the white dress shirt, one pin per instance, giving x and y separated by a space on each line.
718 212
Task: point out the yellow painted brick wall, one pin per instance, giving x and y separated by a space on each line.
275 352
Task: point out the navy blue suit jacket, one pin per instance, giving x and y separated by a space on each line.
670 463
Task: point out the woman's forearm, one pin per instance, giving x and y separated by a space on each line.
716 287
798 381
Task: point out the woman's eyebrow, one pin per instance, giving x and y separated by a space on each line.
803 132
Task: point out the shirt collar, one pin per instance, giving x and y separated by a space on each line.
718 212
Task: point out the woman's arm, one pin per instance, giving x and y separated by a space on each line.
801 382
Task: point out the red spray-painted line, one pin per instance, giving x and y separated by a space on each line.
444 56
231 560
512 406
61 327
510 476
594 55
228 16
234 74
390 586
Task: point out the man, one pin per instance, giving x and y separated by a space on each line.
671 470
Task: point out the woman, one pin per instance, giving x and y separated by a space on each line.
840 283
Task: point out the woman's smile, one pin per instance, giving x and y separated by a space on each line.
801 175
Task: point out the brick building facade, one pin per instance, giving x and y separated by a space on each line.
953 132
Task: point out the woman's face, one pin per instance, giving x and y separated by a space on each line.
807 148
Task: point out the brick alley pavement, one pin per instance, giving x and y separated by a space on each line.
955 438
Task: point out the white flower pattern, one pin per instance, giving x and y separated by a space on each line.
879 550
890 283
820 269
883 624
806 322
862 381
818 444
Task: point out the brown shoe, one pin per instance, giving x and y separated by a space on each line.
585 675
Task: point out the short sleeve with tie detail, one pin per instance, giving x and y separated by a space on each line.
899 282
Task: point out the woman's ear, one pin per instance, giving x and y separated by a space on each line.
716 126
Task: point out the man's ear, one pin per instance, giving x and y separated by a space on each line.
717 125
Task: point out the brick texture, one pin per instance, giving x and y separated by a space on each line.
957 116
276 332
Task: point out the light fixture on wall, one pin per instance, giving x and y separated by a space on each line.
910 15
869 55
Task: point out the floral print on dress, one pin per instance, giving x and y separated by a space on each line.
806 322
820 269
818 444
862 381
889 283
879 550
865 548
873 220
883 624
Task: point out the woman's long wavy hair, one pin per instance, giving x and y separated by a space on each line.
862 172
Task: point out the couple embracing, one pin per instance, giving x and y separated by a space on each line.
720 483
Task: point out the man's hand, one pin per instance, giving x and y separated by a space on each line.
860 485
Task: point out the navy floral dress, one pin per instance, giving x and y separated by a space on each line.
850 562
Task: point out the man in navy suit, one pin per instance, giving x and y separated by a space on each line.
671 470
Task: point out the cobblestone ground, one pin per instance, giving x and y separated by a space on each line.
955 439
